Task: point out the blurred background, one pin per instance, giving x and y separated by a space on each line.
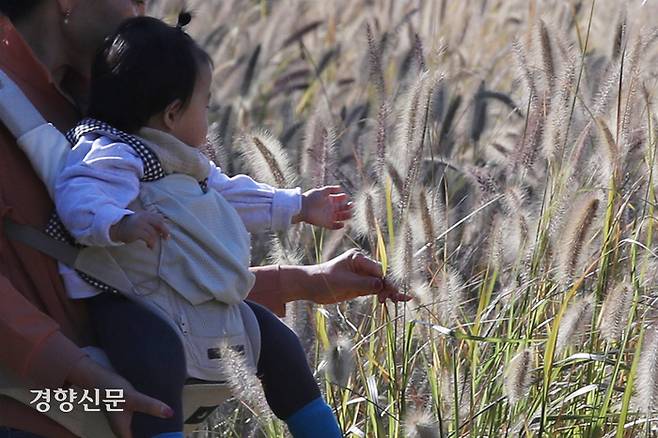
501 155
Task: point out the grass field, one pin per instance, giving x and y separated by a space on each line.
501 154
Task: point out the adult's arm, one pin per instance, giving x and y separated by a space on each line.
260 206
33 347
45 147
31 343
347 276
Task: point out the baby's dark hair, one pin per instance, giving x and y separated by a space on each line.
142 68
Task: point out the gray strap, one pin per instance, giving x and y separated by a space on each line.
109 272
38 240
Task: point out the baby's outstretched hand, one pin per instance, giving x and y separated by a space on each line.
143 225
326 207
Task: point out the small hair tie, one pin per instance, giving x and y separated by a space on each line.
184 18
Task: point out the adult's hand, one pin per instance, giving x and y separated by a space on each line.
90 375
347 276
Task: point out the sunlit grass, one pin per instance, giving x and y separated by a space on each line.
503 153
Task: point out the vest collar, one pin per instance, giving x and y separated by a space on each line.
174 155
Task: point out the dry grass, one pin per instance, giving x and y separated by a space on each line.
503 153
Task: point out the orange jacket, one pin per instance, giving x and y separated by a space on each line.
40 328
39 325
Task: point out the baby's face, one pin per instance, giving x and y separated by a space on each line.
192 126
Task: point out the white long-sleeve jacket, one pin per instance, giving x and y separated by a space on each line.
102 177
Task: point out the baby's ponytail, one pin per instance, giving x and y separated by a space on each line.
184 18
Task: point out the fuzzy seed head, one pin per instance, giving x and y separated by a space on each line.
266 159
646 387
340 361
244 383
421 424
615 312
575 234
575 322
518 376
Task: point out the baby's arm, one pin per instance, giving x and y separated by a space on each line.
92 193
264 208
261 207
45 147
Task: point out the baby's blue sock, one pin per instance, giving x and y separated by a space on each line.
315 420
170 435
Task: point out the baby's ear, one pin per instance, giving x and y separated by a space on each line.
172 112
